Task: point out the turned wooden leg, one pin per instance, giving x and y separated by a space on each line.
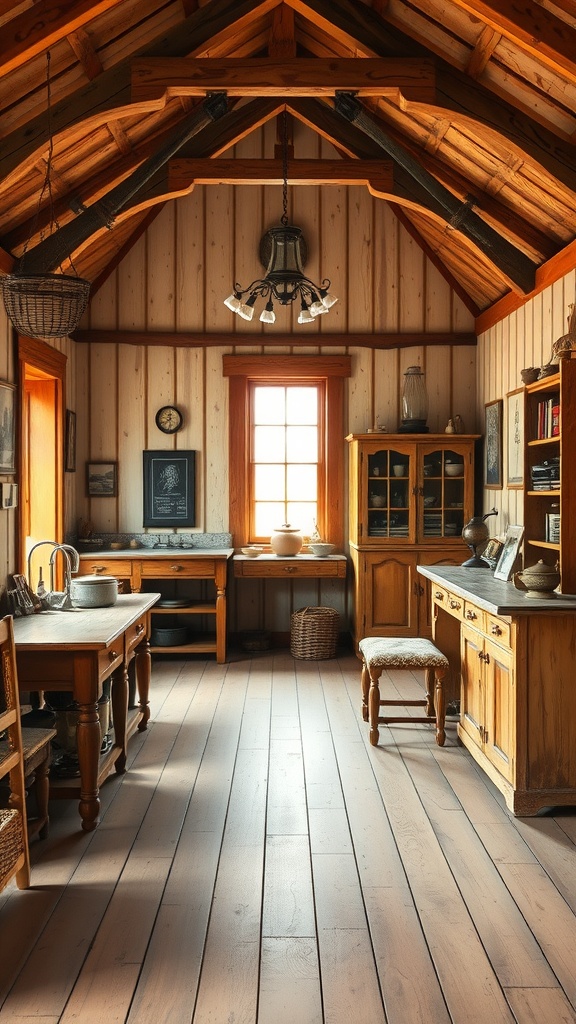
365 684
429 677
143 674
439 705
374 705
42 792
88 741
119 700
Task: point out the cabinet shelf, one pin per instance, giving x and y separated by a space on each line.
194 608
538 442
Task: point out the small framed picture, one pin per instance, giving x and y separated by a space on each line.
7 428
70 442
515 438
509 553
101 479
492 552
493 445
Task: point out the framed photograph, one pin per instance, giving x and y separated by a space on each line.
101 479
492 552
493 445
509 553
515 438
169 488
70 442
7 428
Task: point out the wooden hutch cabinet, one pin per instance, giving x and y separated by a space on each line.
550 476
410 496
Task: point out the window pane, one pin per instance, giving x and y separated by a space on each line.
302 405
302 483
303 515
268 516
269 405
269 483
269 444
301 444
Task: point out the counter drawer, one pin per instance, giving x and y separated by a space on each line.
184 568
474 615
291 568
134 634
94 566
498 630
111 658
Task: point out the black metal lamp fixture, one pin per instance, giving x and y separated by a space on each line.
285 281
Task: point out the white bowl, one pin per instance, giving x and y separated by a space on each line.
454 468
321 549
253 550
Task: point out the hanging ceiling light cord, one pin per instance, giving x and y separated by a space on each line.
285 280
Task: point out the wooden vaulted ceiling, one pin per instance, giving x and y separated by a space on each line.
459 113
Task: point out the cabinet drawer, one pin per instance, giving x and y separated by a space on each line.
305 569
119 567
134 634
498 630
450 602
474 615
168 568
111 658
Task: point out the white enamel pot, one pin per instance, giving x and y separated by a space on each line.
94 591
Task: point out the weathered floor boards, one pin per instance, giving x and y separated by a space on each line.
261 863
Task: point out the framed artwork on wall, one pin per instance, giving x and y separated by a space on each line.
493 445
509 553
169 488
7 428
101 479
515 438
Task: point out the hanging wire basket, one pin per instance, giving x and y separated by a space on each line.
45 305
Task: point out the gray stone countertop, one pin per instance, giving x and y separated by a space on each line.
169 552
494 596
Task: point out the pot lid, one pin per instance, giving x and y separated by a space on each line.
286 528
93 580
540 569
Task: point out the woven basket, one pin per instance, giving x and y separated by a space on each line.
314 633
45 305
11 842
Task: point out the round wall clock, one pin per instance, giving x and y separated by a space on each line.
168 419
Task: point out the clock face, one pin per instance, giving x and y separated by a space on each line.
169 419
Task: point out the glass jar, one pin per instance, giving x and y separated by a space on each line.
414 402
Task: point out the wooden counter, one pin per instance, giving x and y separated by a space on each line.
515 659
143 567
77 651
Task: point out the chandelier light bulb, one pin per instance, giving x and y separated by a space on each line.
305 316
246 309
268 316
234 301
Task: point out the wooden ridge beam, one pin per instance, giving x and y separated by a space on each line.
183 174
157 80
225 339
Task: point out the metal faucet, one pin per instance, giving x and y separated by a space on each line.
52 543
55 599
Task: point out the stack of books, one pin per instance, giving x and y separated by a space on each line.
548 418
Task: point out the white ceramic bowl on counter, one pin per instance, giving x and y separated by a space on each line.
321 548
252 550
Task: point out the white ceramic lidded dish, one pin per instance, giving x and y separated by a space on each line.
94 591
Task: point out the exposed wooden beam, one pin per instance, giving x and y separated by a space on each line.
41 26
282 39
220 339
184 173
534 29
483 51
82 47
156 80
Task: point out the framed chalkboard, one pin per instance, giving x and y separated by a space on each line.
169 485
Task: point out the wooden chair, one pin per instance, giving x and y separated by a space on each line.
378 653
14 857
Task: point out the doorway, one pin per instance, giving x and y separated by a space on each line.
42 377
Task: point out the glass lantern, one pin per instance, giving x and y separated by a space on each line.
414 402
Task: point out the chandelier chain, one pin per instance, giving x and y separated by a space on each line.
284 217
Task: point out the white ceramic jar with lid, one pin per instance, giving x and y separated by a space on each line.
286 540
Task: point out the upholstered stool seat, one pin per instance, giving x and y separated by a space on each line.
379 653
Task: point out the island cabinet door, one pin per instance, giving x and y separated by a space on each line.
390 593
472 689
499 708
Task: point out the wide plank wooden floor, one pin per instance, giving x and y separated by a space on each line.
260 863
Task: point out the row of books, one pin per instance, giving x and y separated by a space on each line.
548 418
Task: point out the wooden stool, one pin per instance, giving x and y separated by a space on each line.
379 653
36 749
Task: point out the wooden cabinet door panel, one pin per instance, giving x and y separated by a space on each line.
472 691
499 716
390 598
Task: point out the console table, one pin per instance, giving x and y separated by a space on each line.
77 651
514 657
296 566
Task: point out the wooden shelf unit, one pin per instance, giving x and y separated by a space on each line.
559 389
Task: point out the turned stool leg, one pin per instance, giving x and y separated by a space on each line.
374 705
42 791
439 705
365 684
430 682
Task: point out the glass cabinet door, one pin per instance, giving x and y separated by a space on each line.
389 494
442 491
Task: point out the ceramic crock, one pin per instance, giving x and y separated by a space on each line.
538 581
286 540
94 591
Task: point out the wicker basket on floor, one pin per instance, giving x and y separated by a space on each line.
11 843
314 633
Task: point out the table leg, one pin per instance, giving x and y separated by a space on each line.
119 698
88 740
143 674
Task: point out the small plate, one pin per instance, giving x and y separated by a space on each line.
176 602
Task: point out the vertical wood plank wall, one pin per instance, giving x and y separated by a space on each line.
176 277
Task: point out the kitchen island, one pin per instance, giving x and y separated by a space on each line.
515 658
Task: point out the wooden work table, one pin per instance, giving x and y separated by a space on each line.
77 651
514 658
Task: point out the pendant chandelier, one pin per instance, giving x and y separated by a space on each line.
44 305
285 282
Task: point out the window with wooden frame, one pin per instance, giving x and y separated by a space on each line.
286 444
